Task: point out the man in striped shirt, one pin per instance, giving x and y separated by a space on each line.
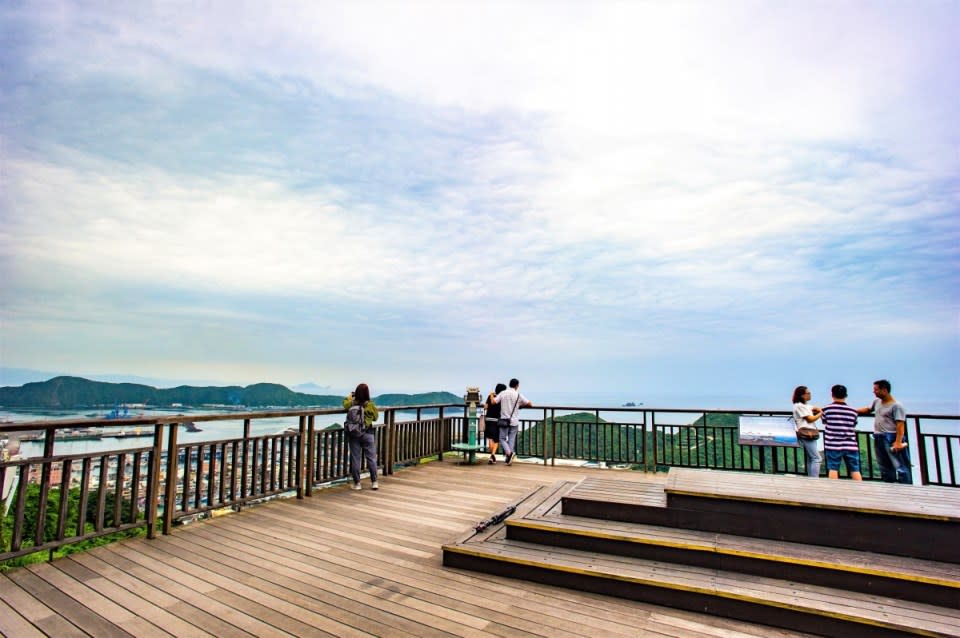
840 435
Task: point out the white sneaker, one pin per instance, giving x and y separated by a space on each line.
356 486
374 486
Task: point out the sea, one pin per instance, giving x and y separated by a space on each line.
609 402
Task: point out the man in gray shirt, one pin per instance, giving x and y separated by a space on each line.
510 403
889 435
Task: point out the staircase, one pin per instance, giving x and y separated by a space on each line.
835 558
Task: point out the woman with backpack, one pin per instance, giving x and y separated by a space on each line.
362 439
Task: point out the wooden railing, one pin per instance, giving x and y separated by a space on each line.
152 488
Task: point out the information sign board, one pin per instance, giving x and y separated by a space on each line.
768 430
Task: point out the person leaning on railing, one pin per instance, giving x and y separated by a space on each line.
510 402
366 443
491 418
889 434
805 416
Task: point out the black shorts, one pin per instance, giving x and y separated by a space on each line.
491 430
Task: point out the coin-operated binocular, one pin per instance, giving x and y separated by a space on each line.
470 446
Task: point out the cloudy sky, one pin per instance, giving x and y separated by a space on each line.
649 198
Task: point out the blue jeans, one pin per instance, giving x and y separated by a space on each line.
508 438
835 457
362 446
894 466
811 455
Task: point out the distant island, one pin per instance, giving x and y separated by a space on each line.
78 393
630 404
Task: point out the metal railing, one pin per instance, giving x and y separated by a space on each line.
55 500
939 452
659 438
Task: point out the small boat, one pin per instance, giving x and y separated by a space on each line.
132 434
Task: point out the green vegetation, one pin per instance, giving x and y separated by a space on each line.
424 398
50 522
711 442
584 435
76 392
719 420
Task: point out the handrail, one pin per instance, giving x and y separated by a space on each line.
154 486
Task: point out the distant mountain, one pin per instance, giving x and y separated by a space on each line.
21 376
313 388
76 392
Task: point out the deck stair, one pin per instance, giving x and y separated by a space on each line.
677 545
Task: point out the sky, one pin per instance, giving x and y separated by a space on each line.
653 199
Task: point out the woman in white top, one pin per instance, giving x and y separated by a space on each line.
804 417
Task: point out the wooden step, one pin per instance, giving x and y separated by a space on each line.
789 604
875 517
616 501
866 497
884 575
537 502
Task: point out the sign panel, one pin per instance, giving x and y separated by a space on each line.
768 430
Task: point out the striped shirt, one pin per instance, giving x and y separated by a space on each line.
839 428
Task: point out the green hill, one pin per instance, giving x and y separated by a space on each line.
583 436
79 393
395 400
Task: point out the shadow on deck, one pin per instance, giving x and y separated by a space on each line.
341 563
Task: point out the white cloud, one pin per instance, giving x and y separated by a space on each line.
634 178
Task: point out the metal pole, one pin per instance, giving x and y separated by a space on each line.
921 453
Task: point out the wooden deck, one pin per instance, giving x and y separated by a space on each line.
693 564
341 563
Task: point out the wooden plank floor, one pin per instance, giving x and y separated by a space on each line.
341 563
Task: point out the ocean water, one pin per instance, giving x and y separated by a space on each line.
210 430
723 401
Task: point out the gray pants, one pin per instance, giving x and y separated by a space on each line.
363 446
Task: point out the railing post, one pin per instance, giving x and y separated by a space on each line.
170 494
553 436
245 472
301 450
153 481
441 434
311 455
921 452
393 439
49 438
653 436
